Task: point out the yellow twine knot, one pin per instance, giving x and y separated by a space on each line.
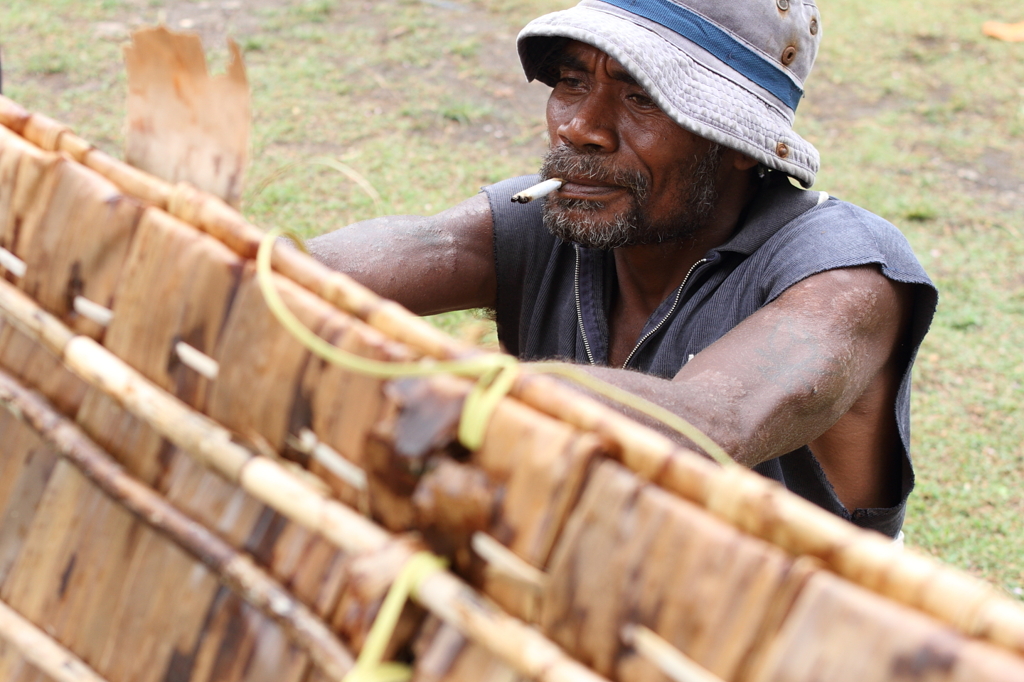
369 666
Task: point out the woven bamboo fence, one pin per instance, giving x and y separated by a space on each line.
188 493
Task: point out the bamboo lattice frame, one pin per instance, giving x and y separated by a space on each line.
574 442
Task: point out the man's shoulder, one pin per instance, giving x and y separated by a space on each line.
848 232
519 231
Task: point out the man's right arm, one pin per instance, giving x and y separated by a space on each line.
428 264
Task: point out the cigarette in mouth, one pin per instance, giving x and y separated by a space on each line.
541 189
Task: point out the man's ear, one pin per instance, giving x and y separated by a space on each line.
742 162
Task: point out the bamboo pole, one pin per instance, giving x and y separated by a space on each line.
752 504
41 650
670 660
520 646
234 568
442 593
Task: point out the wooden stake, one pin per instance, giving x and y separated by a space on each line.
235 569
502 560
200 362
307 443
41 650
93 311
668 659
11 263
520 646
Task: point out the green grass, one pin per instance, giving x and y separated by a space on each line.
918 117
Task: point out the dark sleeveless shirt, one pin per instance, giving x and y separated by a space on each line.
553 300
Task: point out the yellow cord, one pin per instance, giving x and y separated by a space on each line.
641 405
369 666
495 372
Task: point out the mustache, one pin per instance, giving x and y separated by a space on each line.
565 161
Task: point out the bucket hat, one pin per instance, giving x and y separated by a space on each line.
730 71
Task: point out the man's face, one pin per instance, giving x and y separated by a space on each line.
633 176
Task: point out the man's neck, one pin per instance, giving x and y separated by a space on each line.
646 275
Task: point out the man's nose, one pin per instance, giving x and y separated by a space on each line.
590 126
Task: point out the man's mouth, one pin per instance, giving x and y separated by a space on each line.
587 188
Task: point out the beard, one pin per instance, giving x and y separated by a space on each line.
579 221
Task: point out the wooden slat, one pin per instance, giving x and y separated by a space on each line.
177 286
230 648
254 352
34 584
444 655
842 633
633 553
159 611
25 470
79 244
135 444
28 653
23 167
547 463
40 368
345 405
237 571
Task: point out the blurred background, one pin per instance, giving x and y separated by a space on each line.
917 114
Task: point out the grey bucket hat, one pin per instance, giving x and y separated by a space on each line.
731 71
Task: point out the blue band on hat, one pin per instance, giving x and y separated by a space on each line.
709 36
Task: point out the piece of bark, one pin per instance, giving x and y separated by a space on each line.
842 633
231 644
452 502
634 554
345 405
130 620
368 578
178 284
25 470
419 422
261 360
23 167
134 443
183 124
39 368
543 464
78 245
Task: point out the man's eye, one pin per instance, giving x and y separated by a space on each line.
643 101
570 81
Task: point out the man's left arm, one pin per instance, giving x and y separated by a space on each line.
821 364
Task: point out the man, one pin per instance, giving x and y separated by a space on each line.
677 260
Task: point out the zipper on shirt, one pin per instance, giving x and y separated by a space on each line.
579 310
661 323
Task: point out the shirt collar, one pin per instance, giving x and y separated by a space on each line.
777 204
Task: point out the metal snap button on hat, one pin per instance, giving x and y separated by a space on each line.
788 55
782 4
782 150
